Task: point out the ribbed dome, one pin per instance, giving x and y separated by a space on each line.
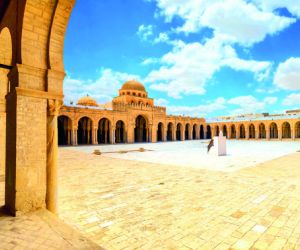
87 101
133 85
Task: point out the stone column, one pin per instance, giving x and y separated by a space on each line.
190 133
212 131
52 151
293 133
197 132
174 133
113 135
205 132
267 133
238 132
246 132
93 136
279 133
151 133
256 132
2 142
130 133
182 133
74 136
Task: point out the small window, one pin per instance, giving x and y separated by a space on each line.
134 93
139 94
128 93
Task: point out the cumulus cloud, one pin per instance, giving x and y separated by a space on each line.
250 104
162 38
287 75
241 21
188 67
145 32
161 102
200 110
103 89
270 5
292 100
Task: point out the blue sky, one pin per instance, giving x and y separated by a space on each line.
200 58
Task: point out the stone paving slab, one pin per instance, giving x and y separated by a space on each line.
121 204
39 230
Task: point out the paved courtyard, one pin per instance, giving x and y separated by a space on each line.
123 204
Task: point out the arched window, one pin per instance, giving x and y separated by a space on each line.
297 130
251 131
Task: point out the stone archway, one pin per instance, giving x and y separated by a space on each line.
251 131
201 132
194 131
160 131
208 132
140 130
35 95
262 131
120 134
224 130
104 130
84 132
286 131
217 131
170 131
232 132
242 132
6 57
187 131
64 130
273 131
179 132
297 130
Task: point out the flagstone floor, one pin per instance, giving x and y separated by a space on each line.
123 204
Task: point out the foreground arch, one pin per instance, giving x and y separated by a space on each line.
64 130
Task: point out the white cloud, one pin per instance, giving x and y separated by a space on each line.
161 102
145 32
188 67
150 60
293 6
200 110
270 100
292 100
250 104
102 89
243 22
240 21
162 38
287 75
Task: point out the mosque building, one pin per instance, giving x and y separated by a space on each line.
133 117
